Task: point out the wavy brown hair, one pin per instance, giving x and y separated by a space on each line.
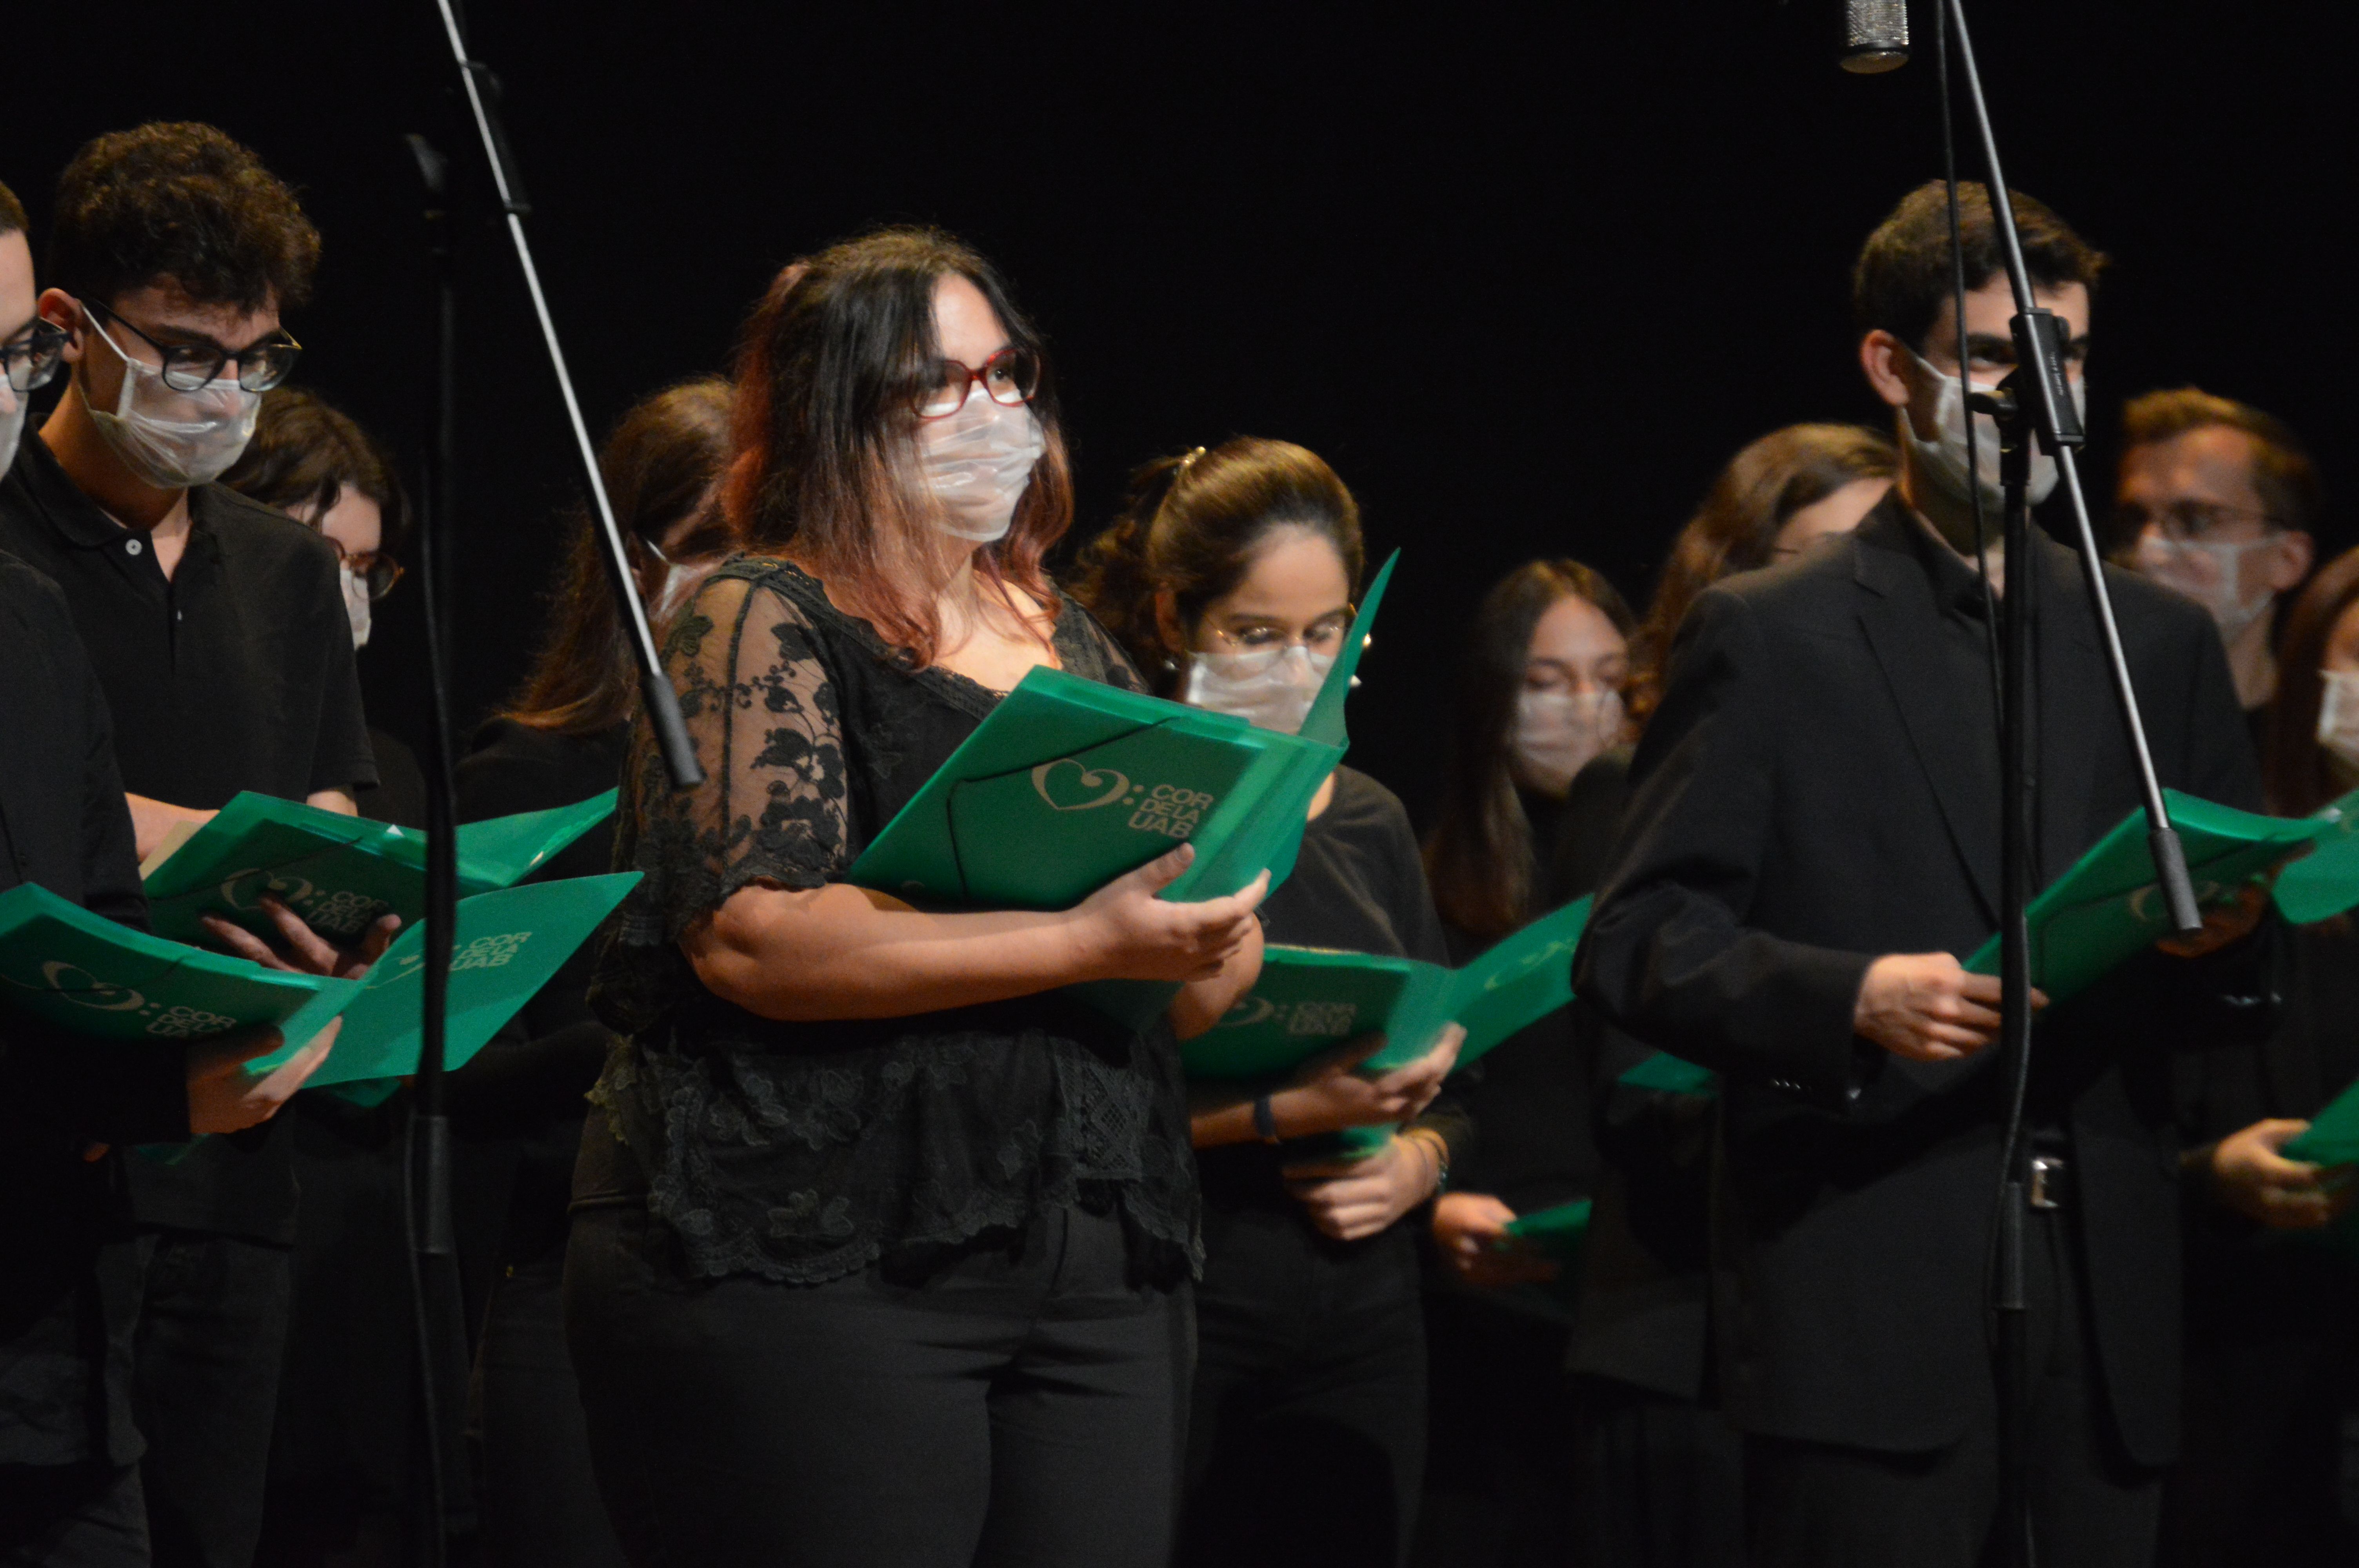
1735 529
1480 857
2295 772
1190 528
660 464
830 369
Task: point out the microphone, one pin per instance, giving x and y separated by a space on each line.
1875 36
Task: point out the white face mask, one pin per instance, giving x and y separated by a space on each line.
1942 458
977 461
2338 716
1558 732
1271 687
356 602
2207 573
174 440
12 422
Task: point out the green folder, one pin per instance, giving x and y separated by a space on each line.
508 944
2325 882
1069 784
79 971
1667 1074
2332 1136
2108 907
75 970
339 872
1310 999
1555 1232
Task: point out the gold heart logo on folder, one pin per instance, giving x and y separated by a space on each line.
1045 777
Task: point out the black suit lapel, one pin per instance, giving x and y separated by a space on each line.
1952 733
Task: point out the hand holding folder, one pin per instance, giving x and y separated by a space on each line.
89 976
2108 907
337 873
1309 999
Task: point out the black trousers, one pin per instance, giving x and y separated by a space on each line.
541 1507
1657 1482
1305 1443
212 1330
1018 1402
72 1516
1818 1505
1499 1425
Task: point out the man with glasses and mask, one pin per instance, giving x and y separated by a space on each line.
70 1284
1810 849
2218 500
220 638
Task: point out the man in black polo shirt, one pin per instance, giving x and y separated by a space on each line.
220 639
70 1289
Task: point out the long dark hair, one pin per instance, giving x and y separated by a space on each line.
1190 528
2295 772
660 464
830 369
1735 529
1480 857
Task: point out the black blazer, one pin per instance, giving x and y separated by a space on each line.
69 1276
1814 792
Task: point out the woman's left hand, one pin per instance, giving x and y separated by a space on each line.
1349 1199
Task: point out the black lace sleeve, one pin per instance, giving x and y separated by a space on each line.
761 709
1088 649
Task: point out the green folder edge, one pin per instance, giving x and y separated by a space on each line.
494 853
2324 882
1456 992
1555 1232
2063 896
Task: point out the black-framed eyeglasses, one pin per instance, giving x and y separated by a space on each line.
33 356
191 367
1010 377
378 570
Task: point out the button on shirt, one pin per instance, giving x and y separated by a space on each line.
235 672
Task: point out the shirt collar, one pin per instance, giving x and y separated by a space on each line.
77 519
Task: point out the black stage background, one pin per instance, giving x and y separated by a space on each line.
1527 276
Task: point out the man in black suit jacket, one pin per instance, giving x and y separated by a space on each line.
1811 847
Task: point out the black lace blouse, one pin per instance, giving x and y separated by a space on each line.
804 1151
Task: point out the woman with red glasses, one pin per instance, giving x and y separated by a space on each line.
882 1245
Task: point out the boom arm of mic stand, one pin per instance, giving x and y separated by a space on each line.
662 702
2061 433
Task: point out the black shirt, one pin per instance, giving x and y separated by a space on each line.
803 1151
67 1274
235 672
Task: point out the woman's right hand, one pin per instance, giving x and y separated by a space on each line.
1331 1093
1128 933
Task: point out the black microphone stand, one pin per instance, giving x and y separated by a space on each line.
2034 401
427 1169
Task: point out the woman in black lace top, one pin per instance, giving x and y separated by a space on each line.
880 1251
1232 576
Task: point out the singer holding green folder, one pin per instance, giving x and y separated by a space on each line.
882 1244
1230 579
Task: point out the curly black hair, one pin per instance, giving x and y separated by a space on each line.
183 201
